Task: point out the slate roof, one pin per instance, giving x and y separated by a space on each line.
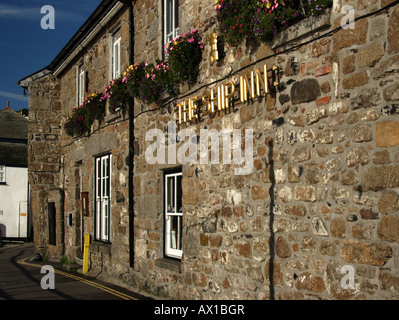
13 154
13 139
13 125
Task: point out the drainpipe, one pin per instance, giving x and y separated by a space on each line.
272 240
131 142
62 205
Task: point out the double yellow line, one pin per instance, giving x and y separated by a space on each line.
83 280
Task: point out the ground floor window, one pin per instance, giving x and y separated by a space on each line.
103 199
173 215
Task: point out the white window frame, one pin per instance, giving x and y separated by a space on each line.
171 10
116 55
173 238
102 191
81 83
2 174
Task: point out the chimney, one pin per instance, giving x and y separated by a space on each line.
8 105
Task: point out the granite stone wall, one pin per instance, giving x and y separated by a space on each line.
107 137
315 218
61 167
322 197
44 132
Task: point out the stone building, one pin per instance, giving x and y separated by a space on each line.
300 203
62 169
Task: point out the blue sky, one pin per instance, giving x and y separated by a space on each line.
26 48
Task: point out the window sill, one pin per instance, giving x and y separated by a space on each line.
169 264
303 28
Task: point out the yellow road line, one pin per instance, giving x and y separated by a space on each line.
83 280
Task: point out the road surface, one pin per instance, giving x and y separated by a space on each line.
21 280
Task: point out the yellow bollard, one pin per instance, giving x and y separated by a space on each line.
86 253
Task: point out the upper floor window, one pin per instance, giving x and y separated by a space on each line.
2 174
116 54
81 87
171 20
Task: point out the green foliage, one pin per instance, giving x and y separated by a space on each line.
316 7
149 81
234 19
64 260
262 19
184 54
151 86
94 107
117 94
145 81
76 123
83 116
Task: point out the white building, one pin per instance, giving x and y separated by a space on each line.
15 222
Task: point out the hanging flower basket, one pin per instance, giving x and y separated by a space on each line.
184 54
145 81
94 108
76 124
117 95
167 77
234 18
83 116
239 20
134 75
149 89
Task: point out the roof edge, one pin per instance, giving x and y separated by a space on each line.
85 33
58 65
24 83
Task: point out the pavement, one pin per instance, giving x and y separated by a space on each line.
21 279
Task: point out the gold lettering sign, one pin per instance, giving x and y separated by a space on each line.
213 43
251 85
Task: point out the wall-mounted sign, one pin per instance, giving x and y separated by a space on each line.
250 86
